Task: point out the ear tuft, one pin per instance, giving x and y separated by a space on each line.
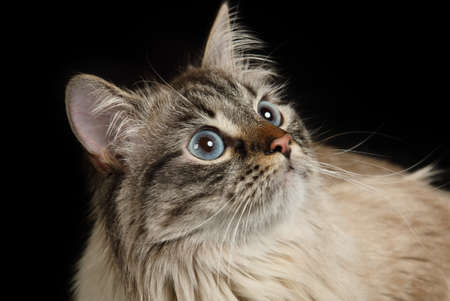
230 47
219 47
92 106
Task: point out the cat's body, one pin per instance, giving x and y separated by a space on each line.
210 188
360 244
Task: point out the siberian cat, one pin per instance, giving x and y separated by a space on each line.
210 188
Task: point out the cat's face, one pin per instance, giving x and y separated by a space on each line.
216 154
232 153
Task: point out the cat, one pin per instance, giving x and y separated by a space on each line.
211 188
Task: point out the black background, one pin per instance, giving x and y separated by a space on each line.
355 69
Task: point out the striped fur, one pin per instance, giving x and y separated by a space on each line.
251 224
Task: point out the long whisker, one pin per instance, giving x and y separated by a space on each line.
345 177
247 201
363 141
144 243
316 131
252 202
222 243
371 133
343 151
226 203
393 173
167 84
233 237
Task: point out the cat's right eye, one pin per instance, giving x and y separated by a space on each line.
270 112
206 145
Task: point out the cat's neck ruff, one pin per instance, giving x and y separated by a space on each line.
281 264
297 265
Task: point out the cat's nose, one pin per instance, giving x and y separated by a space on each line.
281 145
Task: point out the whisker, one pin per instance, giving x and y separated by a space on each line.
391 174
363 141
315 132
233 237
248 216
227 202
343 151
167 84
371 133
215 214
346 178
222 244
247 201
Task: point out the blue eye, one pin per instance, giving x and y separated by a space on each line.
269 112
206 145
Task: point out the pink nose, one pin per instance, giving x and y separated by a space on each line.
281 144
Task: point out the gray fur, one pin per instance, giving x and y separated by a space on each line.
171 227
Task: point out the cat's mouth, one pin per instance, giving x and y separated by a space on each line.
290 171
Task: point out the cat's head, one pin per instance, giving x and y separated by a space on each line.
215 154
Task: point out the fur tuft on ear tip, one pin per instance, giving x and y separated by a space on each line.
229 46
218 50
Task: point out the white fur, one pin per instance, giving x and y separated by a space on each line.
329 245
304 256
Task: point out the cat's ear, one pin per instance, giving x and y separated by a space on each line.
93 108
219 47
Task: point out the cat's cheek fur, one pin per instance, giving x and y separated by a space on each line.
255 223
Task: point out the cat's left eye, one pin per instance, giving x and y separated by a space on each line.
206 145
270 112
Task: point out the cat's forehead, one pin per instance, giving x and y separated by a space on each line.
210 85
214 92
210 97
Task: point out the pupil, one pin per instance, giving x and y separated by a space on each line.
266 113
206 144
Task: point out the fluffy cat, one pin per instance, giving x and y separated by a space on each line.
210 188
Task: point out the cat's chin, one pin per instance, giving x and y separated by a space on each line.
294 182
293 172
